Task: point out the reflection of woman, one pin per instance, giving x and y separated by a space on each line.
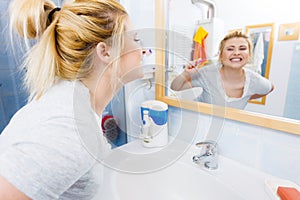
229 83
85 51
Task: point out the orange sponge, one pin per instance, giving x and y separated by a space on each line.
288 193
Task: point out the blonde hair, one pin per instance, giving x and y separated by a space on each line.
235 34
65 44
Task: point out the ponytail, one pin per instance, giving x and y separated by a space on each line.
65 39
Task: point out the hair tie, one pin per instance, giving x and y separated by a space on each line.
52 12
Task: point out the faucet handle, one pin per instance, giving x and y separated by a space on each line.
209 154
210 146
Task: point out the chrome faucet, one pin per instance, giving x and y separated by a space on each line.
208 156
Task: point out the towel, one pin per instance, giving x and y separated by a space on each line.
258 54
199 46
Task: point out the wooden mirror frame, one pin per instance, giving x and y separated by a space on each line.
260 28
258 119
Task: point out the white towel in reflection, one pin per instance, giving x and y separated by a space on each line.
258 54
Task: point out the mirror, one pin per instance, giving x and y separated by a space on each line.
260 114
262 37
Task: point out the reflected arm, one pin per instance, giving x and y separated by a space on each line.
182 82
256 96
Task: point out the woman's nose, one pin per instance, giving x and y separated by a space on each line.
236 52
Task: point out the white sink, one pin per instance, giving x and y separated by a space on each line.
182 179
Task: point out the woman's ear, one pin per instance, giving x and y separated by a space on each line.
103 52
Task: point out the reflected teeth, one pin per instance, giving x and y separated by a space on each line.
235 59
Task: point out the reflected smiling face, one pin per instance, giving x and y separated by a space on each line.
235 53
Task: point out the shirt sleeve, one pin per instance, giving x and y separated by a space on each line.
45 166
261 85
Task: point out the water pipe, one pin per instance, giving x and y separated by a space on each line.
211 5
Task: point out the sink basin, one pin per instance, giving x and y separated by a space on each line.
176 182
181 179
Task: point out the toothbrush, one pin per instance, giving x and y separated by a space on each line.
199 62
147 52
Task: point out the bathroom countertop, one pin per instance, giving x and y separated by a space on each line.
249 182
172 174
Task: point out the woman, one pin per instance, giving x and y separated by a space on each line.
229 83
85 52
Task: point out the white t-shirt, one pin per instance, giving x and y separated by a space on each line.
52 147
209 79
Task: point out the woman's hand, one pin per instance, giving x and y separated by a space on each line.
183 81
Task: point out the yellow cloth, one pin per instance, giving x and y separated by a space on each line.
199 47
200 35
